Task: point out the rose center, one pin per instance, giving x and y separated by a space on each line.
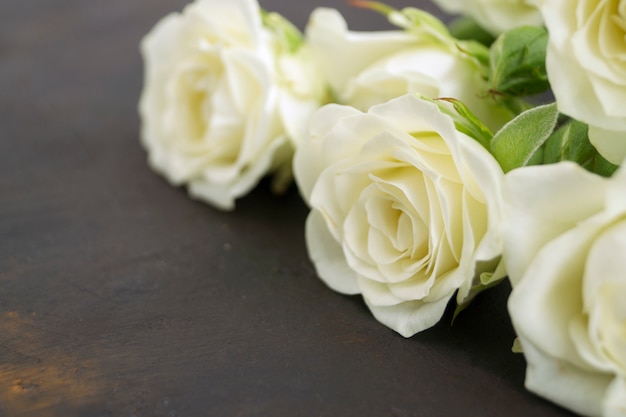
618 15
387 230
186 106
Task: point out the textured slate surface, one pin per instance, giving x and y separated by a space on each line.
119 296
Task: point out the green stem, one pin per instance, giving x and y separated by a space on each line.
379 7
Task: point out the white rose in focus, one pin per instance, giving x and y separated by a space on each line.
586 64
223 99
368 68
495 16
565 247
405 208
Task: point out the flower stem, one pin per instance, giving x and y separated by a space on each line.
379 7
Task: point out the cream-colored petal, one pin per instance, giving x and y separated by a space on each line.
343 53
220 187
611 144
378 293
495 16
604 290
541 203
237 22
327 256
614 404
563 383
549 295
295 114
337 133
409 317
615 196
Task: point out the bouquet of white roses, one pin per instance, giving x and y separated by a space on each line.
430 173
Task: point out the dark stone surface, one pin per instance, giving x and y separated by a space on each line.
120 296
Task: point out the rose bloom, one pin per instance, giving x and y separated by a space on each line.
565 247
367 68
586 66
495 16
223 99
405 208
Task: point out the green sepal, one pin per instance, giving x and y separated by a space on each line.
571 143
464 120
478 51
424 25
518 62
514 145
420 22
486 282
288 34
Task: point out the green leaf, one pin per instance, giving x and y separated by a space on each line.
466 28
514 145
571 143
518 62
567 140
603 167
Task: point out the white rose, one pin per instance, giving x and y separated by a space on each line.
565 252
222 99
586 66
405 208
496 16
367 68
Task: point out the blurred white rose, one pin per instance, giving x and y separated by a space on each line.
405 208
496 16
367 68
223 99
586 66
565 252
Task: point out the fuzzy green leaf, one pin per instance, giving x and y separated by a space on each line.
518 141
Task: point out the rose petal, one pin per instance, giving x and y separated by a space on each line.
557 380
546 200
615 401
611 144
343 53
409 317
327 256
333 136
604 288
550 288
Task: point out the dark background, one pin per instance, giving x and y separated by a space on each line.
120 296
